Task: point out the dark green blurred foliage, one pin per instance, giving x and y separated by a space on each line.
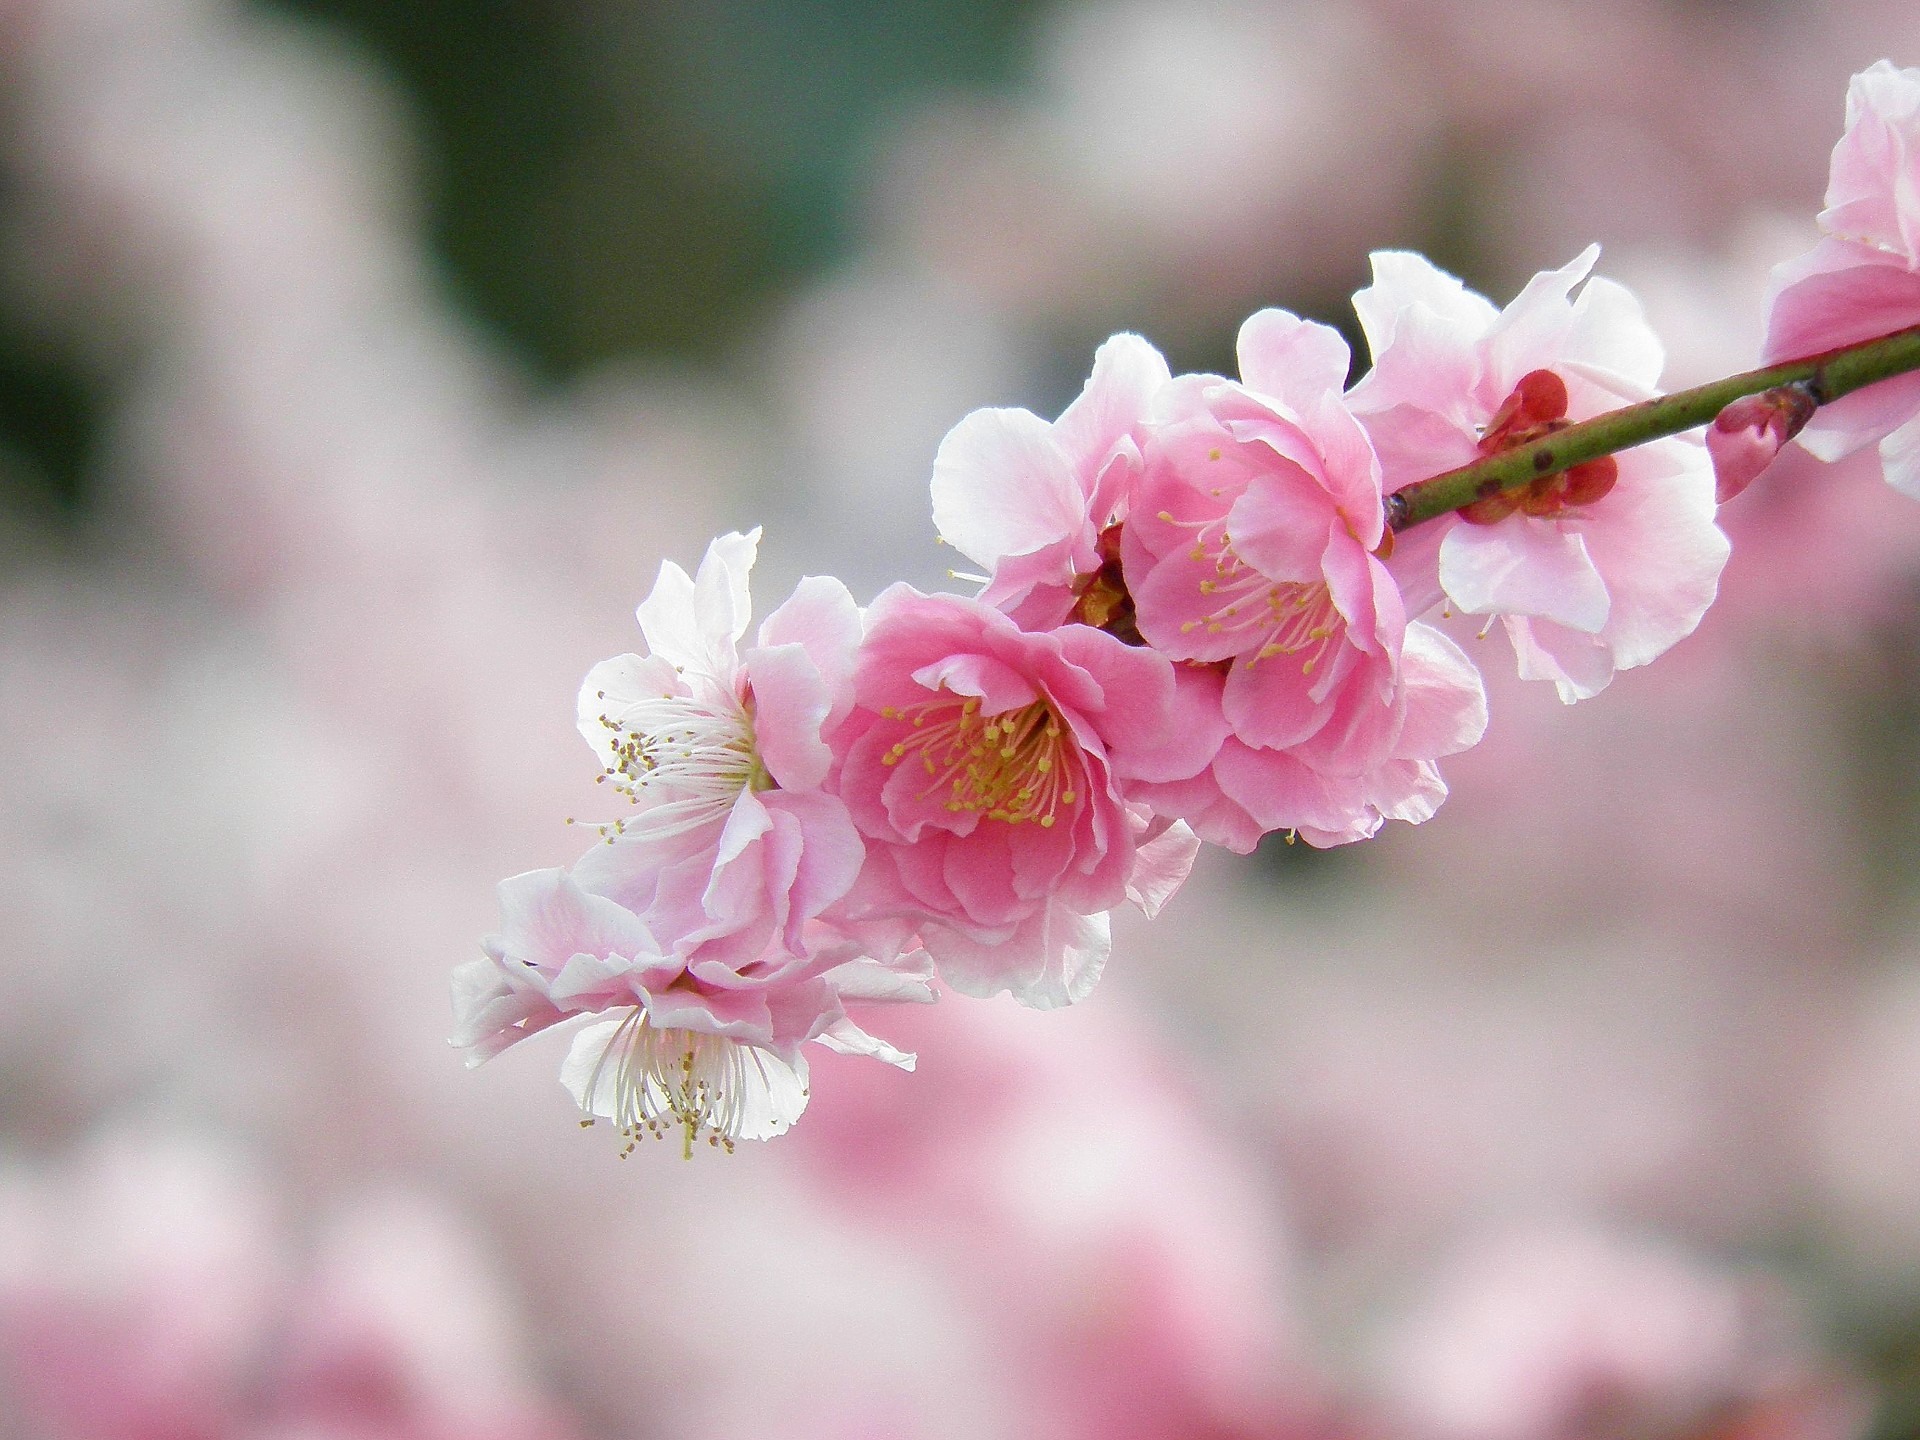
49 413
612 178
604 178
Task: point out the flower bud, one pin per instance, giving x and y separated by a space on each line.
1745 436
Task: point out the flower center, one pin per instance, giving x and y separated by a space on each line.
1019 766
675 1080
681 759
1300 620
1537 408
1273 617
1101 598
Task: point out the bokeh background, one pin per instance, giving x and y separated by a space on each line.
360 361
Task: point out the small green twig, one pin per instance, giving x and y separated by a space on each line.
1827 377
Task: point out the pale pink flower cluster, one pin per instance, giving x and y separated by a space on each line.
1192 624
706 930
1862 280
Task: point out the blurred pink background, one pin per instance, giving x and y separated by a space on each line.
1588 1111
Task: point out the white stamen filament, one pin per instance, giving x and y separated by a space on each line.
667 1080
683 760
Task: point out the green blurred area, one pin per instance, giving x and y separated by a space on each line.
603 178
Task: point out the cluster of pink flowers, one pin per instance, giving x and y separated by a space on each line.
1193 626
1194 623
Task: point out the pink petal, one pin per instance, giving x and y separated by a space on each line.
822 617
1580 665
1873 187
791 705
1655 540
833 852
1836 294
1197 727
1523 566
1161 867
1127 373
1001 486
1446 697
549 919
1279 526
1294 360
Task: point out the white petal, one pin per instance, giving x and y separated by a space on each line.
607 1073
909 979
1533 328
721 588
846 1038
1611 335
612 689
1523 567
666 618
1161 867
1053 959
1900 458
696 623
1402 279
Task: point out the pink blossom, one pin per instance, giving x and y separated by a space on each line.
1250 552
1030 501
983 765
1863 279
1598 569
692 1047
732 844
696 924
1873 184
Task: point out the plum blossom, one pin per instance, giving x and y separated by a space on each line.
1033 502
983 764
687 1046
697 925
1862 279
1308 702
1601 568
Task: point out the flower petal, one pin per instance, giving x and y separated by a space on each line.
1523 566
1002 487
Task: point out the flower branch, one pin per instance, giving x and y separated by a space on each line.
1191 628
1823 378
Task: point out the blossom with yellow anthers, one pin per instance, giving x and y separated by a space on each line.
1017 766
